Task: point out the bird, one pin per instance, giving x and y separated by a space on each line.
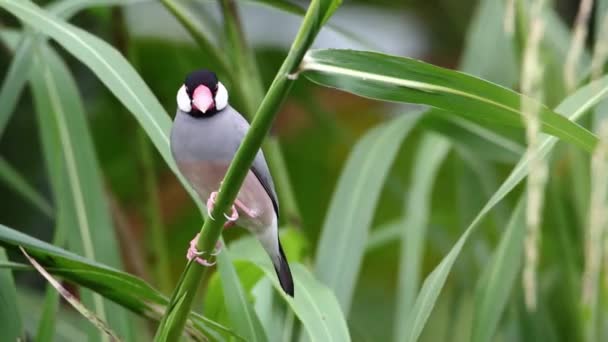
205 136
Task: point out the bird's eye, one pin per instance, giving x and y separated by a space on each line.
221 97
183 100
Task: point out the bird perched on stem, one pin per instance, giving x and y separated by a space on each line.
205 136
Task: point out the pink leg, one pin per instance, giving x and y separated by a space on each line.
230 219
193 253
244 208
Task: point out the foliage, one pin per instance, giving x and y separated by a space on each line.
385 208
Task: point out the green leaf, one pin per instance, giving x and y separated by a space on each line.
74 173
243 318
10 320
14 82
17 73
96 321
429 157
313 304
13 179
273 312
482 141
122 288
498 278
487 52
399 79
345 230
575 106
112 69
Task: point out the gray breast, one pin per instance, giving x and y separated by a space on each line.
203 149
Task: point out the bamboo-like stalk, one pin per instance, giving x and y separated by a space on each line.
249 83
175 317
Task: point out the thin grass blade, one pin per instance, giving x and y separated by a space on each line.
345 231
399 79
430 155
498 279
314 304
240 310
574 106
13 179
10 319
74 173
91 317
125 289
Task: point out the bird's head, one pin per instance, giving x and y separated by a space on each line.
202 94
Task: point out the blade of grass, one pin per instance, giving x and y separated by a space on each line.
576 105
13 179
392 78
75 173
10 320
240 310
498 278
273 313
314 304
125 289
173 322
16 76
430 155
91 317
345 230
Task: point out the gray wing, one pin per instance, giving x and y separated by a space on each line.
261 172
259 166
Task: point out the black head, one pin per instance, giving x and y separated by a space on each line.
202 94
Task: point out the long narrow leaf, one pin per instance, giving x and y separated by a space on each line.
574 106
240 310
314 304
10 320
391 78
345 230
17 73
498 279
122 288
429 157
74 172
13 179
70 298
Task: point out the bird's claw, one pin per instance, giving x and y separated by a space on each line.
234 215
194 253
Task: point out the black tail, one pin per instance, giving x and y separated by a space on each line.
283 272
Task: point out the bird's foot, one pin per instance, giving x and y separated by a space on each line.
230 219
250 212
197 255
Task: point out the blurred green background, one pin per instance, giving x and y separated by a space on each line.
317 128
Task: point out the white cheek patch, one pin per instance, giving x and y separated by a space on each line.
183 100
221 97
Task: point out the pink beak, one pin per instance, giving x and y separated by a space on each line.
202 98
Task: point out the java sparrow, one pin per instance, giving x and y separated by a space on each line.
205 136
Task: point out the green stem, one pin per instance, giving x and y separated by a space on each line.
172 324
249 83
